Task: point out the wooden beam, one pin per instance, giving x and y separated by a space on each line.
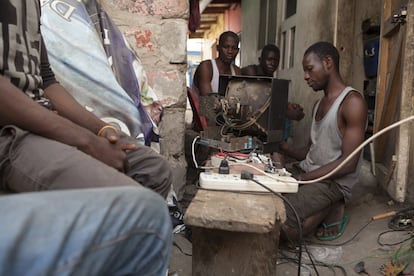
225 2
390 107
404 177
213 10
344 36
209 20
389 27
383 65
196 35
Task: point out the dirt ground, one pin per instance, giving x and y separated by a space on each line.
366 247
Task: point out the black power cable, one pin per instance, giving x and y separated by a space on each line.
249 176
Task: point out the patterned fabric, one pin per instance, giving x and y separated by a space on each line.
20 46
93 61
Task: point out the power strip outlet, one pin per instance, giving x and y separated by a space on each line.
233 182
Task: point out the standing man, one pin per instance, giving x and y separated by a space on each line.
338 126
206 76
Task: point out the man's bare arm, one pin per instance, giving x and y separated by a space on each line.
18 109
296 153
68 107
248 71
205 74
237 70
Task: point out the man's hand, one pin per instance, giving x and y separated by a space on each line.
109 147
295 112
114 138
155 111
109 152
283 147
296 153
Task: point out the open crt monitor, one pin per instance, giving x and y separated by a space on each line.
253 107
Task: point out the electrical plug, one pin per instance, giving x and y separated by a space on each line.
224 167
246 175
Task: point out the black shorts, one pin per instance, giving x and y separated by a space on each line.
310 199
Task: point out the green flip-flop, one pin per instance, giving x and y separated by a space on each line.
343 222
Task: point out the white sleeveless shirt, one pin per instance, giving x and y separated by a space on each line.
326 144
215 78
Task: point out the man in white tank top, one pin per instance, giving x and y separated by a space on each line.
338 128
206 77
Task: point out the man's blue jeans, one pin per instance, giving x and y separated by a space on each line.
104 231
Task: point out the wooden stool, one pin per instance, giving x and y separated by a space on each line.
235 233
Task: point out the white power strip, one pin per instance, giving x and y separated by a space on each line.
233 182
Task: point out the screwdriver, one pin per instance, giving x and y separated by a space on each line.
384 215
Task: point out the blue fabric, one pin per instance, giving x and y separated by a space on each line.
92 60
286 129
106 231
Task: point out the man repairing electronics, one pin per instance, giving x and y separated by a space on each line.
338 126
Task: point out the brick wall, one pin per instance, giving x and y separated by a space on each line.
157 30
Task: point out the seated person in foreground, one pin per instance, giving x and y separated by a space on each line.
338 127
268 64
117 89
48 141
105 231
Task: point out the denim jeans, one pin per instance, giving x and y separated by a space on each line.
104 231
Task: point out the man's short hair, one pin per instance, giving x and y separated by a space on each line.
270 48
323 49
224 35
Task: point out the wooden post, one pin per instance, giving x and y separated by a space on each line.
404 144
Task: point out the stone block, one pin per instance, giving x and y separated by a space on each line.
165 40
172 132
173 41
179 168
169 86
164 8
235 233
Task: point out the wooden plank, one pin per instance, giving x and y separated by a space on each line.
389 27
389 7
388 83
218 252
344 37
215 10
406 131
390 97
196 35
225 1
382 69
232 211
